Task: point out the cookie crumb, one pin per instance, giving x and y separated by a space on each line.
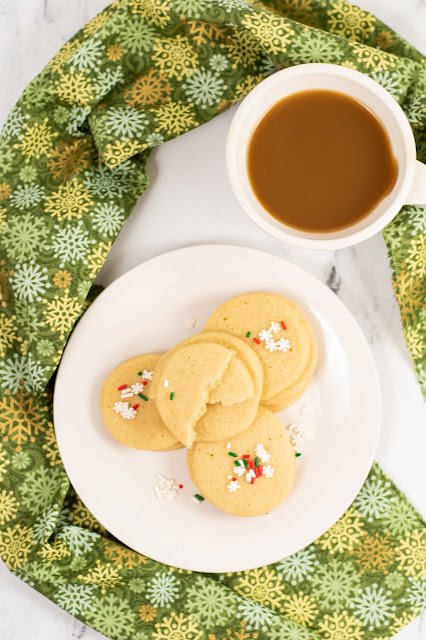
191 322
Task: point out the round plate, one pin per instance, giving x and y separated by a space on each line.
150 309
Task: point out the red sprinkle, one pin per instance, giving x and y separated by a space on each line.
257 472
234 478
252 481
256 340
135 406
123 386
283 325
144 382
246 457
181 486
260 470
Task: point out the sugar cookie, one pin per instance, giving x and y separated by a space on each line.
289 395
146 429
239 490
220 421
192 371
276 329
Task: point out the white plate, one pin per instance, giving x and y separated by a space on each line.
147 310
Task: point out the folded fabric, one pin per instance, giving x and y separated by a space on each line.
72 167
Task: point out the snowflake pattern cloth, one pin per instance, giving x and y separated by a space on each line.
72 167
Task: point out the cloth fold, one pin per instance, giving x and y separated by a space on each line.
72 167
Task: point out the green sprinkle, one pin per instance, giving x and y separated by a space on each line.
237 463
248 334
200 498
245 463
172 395
234 455
142 396
139 373
256 462
298 454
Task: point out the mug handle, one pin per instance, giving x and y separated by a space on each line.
417 194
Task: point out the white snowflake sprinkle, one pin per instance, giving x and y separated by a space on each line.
137 388
299 434
272 345
262 453
239 470
120 406
147 375
268 471
128 413
298 443
283 345
265 335
166 488
233 486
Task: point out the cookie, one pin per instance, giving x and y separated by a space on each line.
221 421
143 428
235 386
276 329
183 381
234 488
287 397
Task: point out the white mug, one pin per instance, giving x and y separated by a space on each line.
410 185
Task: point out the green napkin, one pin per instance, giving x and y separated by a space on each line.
72 167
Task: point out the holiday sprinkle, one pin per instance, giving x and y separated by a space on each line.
270 343
250 469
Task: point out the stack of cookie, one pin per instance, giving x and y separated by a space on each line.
215 393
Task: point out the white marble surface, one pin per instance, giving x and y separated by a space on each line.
204 210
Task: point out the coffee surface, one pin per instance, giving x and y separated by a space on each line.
320 161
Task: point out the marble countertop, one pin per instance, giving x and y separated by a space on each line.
204 210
